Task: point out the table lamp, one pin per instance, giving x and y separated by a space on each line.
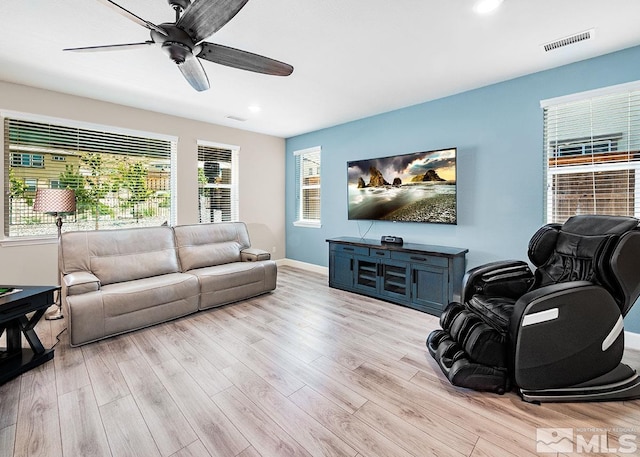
55 201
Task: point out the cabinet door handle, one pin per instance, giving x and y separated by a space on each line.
351 264
379 253
421 259
348 249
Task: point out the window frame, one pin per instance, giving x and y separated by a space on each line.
620 154
234 187
31 161
5 238
300 220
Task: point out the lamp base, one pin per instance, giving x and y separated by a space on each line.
54 314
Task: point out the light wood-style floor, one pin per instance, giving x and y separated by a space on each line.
305 370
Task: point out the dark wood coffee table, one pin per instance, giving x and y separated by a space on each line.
14 320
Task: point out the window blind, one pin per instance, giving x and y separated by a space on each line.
25 135
217 180
592 155
118 178
308 185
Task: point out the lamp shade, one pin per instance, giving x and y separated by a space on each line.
55 201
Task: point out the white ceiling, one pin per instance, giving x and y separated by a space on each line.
352 58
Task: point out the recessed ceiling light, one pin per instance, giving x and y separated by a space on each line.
486 6
254 108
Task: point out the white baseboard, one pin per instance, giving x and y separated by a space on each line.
631 340
303 266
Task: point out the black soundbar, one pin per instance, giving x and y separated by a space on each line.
391 240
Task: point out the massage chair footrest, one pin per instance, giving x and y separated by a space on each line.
461 371
484 344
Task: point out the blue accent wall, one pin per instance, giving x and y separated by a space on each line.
498 132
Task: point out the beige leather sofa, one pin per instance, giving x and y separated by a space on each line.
115 281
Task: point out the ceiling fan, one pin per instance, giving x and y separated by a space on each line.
184 42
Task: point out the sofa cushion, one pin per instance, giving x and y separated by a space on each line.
130 305
131 296
203 245
231 282
120 255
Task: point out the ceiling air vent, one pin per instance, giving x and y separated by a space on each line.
236 118
562 42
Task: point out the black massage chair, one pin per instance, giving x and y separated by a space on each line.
556 334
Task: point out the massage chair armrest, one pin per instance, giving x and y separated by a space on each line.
564 334
254 255
506 278
80 282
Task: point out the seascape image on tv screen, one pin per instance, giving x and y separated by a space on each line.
417 187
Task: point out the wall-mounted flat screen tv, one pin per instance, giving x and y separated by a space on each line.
415 187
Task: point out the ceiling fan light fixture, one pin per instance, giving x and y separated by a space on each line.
486 6
177 51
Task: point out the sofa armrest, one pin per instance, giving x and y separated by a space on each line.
254 254
80 282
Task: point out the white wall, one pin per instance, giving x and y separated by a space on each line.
261 180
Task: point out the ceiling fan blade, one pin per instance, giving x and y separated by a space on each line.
243 60
111 47
202 18
193 72
132 17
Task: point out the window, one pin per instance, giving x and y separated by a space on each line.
217 183
592 153
308 187
30 185
27 160
113 172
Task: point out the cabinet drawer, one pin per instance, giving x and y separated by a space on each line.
379 254
350 249
422 258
